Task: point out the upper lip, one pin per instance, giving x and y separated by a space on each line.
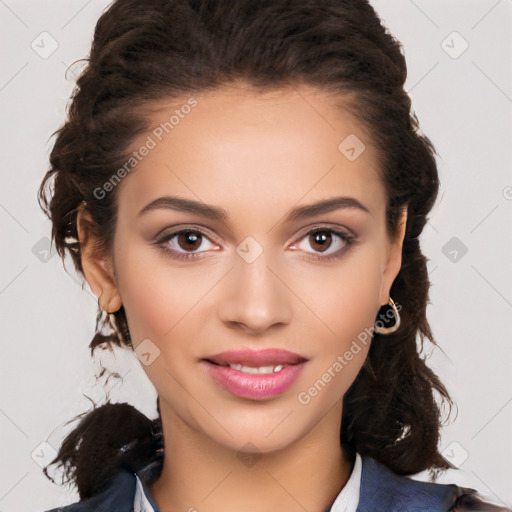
256 357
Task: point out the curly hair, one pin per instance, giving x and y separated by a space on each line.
147 51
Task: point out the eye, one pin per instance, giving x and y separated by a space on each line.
322 240
327 244
180 244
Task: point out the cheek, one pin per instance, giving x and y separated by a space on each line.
159 304
155 297
346 297
346 300
343 296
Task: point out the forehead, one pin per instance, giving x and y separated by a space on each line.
242 145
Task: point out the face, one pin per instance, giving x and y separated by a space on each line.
260 280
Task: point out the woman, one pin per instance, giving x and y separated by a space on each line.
243 186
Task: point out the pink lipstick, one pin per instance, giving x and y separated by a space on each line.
255 374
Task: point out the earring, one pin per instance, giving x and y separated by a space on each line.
379 324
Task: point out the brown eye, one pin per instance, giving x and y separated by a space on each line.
189 240
321 240
187 243
326 244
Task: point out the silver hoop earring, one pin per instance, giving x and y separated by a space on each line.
380 329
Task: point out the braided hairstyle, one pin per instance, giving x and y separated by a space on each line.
146 51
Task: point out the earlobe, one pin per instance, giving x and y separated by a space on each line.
97 267
394 259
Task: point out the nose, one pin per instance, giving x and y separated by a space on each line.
254 296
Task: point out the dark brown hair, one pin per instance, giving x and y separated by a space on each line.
145 51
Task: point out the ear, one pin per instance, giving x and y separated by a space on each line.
393 260
98 268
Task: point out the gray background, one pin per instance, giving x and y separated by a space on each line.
463 99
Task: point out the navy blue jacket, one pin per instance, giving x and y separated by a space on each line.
381 491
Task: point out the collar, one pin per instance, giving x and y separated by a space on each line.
377 487
380 489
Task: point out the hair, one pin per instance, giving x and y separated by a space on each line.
168 49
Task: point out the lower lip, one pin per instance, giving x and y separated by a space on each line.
254 385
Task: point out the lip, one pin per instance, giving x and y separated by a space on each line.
255 357
250 385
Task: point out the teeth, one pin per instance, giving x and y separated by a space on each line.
260 369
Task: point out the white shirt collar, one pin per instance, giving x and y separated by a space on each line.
346 501
141 502
348 498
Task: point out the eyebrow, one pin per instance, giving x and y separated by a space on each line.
220 214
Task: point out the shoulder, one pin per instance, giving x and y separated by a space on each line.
381 489
118 494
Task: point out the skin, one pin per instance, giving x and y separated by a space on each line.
256 155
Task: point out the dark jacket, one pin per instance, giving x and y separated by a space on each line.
381 491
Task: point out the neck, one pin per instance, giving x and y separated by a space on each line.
199 474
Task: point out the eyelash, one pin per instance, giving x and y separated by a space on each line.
161 242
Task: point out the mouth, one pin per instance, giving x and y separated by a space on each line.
254 374
256 361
